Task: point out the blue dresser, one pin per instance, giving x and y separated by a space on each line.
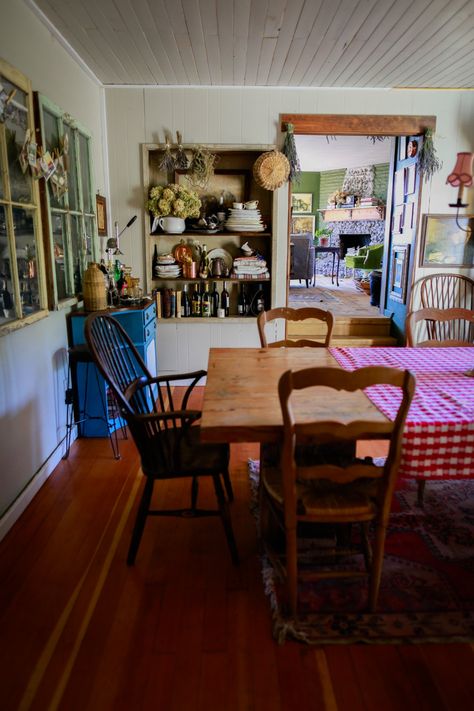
91 389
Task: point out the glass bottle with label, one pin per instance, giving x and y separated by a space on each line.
214 300
225 299
185 302
206 302
154 264
196 302
242 304
204 263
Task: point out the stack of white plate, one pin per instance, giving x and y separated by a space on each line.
167 267
244 221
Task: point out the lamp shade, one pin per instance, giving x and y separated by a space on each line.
462 171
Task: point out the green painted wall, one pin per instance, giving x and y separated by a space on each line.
308 183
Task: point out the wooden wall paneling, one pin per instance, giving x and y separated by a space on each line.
231 116
254 115
158 110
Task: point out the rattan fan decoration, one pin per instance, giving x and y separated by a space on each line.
271 170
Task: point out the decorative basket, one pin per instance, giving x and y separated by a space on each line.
271 170
94 289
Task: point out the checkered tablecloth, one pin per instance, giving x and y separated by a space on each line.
439 432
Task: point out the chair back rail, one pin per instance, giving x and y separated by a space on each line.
289 314
438 327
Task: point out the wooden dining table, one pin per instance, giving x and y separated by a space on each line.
241 400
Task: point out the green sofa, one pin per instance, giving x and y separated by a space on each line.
367 258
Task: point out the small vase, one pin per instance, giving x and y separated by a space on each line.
172 225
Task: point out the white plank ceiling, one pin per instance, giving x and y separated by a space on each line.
300 43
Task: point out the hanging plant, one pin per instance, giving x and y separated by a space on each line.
181 160
167 160
428 160
289 150
202 167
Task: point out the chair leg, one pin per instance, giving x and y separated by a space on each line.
377 562
194 492
421 492
292 569
228 485
142 513
225 518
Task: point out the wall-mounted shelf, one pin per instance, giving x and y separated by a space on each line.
340 214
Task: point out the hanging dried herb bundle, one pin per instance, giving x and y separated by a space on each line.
167 160
428 160
202 167
289 150
374 139
181 159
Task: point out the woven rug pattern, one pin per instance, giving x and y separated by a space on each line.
427 587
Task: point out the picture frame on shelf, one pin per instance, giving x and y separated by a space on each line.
232 184
444 243
101 212
399 272
302 203
303 224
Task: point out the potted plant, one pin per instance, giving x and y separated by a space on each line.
321 236
170 205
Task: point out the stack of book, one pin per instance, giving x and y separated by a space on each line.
368 202
250 268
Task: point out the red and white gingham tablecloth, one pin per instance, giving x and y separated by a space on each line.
438 440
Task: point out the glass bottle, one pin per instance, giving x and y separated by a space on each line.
206 302
196 302
203 263
154 264
242 304
225 299
214 300
185 302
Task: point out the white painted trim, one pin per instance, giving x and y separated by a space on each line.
253 87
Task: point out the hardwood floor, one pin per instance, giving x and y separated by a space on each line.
182 629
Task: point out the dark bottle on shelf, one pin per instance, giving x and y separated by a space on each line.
214 300
185 302
242 304
206 302
225 299
154 264
204 263
196 302
77 278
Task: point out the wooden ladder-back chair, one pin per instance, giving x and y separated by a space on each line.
164 429
443 291
429 327
289 314
299 490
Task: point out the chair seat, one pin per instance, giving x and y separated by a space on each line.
324 500
185 453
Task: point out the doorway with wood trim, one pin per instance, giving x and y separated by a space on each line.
399 237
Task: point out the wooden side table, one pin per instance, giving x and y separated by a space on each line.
335 251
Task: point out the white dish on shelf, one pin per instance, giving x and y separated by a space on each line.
223 253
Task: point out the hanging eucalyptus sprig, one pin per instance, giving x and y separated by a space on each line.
181 160
167 160
428 160
289 150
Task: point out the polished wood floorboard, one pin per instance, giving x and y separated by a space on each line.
183 629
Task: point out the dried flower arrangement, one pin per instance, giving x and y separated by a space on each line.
173 201
202 167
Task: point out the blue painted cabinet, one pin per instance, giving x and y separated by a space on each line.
92 390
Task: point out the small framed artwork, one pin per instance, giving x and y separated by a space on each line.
300 225
399 272
101 209
444 243
302 202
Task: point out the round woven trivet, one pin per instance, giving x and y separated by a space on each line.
271 170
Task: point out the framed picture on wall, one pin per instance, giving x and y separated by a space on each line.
399 272
302 202
300 225
101 209
446 244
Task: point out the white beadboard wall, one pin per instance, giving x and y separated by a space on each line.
251 116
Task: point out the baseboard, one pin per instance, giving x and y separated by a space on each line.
13 513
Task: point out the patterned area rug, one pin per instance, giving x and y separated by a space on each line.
313 295
427 588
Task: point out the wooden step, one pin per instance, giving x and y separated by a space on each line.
367 327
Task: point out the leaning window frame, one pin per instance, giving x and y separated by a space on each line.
88 238
22 317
